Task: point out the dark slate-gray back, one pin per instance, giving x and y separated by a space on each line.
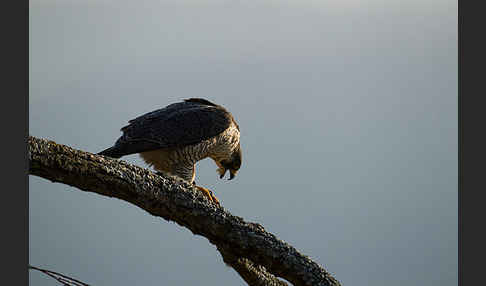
176 125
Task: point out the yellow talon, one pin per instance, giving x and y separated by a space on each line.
208 194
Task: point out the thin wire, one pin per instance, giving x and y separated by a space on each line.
65 280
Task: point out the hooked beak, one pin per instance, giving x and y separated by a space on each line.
223 171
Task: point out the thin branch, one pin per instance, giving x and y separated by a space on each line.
63 279
253 252
254 275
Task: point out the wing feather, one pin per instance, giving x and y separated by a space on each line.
176 125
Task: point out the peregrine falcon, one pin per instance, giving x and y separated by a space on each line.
174 138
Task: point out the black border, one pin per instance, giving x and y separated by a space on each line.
472 143
14 116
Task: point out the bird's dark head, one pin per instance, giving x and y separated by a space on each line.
232 165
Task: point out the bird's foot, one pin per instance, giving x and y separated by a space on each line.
208 194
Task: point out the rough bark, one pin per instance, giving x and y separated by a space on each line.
257 255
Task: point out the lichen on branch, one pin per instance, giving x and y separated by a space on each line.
257 255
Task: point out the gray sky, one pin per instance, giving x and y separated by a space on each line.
348 113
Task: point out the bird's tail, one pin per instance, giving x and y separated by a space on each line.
112 152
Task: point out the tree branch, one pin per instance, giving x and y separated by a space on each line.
247 247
